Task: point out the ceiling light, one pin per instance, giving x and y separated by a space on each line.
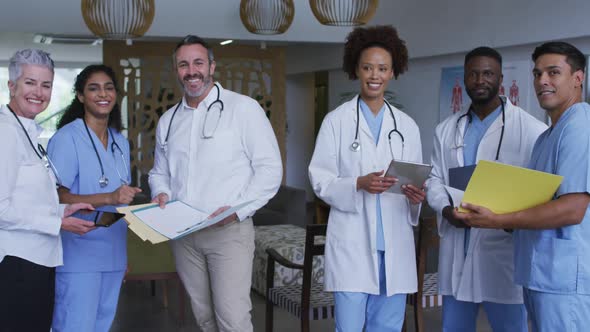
225 42
267 17
118 19
343 12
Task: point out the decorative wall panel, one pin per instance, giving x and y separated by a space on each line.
149 87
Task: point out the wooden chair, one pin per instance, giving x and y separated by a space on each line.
427 295
322 211
307 301
153 262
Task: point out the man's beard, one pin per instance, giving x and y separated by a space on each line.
493 93
195 94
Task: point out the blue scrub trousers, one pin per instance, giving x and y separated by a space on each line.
377 313
557 312
461 316
86 301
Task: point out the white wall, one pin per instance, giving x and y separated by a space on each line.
443 27
433 28
61 54
300 133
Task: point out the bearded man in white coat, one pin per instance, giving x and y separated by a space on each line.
215 149
476 265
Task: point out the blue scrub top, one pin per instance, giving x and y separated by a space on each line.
474 132
70 149
558 260
374 122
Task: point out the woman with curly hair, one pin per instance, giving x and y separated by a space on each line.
369 257
92 159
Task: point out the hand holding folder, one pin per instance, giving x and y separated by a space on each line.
505 188
177 219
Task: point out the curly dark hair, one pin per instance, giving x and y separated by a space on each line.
76 109
384 36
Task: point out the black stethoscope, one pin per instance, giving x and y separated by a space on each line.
203 135
469 119
103 181
41 153
356 145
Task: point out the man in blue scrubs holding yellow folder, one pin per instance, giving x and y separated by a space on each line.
552 240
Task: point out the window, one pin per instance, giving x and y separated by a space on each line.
62 94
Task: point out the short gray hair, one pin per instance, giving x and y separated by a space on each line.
192 40
28 57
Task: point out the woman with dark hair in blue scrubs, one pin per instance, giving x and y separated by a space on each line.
92 158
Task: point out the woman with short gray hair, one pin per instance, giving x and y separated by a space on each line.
30 214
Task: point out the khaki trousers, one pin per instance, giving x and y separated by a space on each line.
215 266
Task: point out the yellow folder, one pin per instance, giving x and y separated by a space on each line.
505 188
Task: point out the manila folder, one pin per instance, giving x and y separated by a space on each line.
505 188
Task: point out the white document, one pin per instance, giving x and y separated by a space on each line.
178 218
456 195
407 173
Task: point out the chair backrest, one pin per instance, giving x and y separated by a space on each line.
148 261
322 211
313 247
427 239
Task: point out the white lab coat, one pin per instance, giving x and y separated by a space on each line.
351 262
487 272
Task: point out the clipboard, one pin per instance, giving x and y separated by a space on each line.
407 173
151 230
459 176
179 219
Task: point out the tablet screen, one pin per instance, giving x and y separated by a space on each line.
99 218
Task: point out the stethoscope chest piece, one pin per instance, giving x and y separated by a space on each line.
355 146
103 181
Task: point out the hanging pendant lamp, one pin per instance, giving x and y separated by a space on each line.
118 19
343 12
267 17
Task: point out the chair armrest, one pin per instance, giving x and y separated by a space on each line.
274 256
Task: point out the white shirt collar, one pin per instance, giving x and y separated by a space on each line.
210 98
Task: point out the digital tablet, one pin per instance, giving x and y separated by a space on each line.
407 173
99 218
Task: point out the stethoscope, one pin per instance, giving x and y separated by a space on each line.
469 119
41 153
103 181
203 135
356 145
